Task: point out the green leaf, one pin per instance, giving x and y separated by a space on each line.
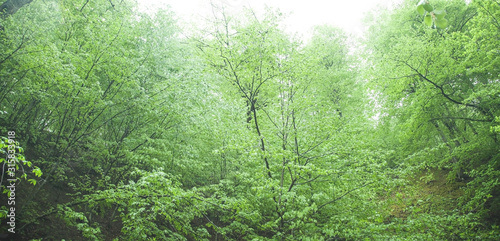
441 23
32 181
428 20
420 9
37 172
428 7
440 14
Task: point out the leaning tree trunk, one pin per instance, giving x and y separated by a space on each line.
10 7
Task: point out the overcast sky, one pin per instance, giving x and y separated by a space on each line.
304 14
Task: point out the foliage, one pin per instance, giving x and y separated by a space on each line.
440 94
240 131
432 17
299 110
13 163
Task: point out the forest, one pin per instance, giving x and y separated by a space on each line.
119 124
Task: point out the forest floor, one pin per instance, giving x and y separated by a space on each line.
428 192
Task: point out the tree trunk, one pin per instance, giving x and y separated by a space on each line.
10 7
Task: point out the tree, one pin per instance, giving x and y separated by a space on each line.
297 106
439 91
91 93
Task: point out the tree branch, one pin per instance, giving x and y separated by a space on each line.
343 195
10 7
460 118
443 93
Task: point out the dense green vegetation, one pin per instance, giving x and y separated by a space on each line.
119 125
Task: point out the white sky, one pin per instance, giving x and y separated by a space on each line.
304 14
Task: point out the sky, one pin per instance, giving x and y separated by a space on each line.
303 14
